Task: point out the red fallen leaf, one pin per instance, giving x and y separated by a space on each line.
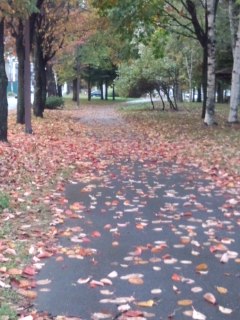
218 247
187 214
96 234
176 277
134 313
138 251
30 271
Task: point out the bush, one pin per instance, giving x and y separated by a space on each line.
4 201
54 102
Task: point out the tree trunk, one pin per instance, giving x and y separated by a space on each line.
39 68
89 89
51 82
204 80
3 88
106 90
210 106
113 92
235 85
21 57
27 78
232 24
199 94
59 90
74 90
219 92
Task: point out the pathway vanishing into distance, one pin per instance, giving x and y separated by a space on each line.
141 239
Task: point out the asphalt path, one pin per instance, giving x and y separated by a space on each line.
144 240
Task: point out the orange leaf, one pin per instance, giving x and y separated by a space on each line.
184 303
28 293
202 267
176 277
136 280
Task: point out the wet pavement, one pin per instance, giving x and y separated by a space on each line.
144 240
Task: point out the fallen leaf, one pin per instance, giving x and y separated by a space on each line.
209 297
176 277
113 274
184 303
202 267
146 304
136 280
196 315
225 310
222 290
28 293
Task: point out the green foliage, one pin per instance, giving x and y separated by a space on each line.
54 102
7 313
145 74
4 201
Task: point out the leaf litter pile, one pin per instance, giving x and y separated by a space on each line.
114 217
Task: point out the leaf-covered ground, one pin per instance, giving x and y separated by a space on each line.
82 145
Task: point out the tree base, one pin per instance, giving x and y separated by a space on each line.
28 131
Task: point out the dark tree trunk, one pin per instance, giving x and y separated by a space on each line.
151 98
44 82
3 88
40 78
59 90
27 78
101 89
199 94
106 90
220 98
74 90
21 57
89 89
51 82
113 92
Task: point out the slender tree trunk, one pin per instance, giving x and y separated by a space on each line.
210 107
199 94
106 90
21 57
219 92
74 90
59 90
89 89
204 80
235 86
3 88
27 79
232 24
113 92
151 99
39 68
51 82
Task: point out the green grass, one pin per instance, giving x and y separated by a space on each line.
7 313
4 201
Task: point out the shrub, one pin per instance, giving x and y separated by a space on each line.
54 102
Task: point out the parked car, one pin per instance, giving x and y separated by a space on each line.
96 93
